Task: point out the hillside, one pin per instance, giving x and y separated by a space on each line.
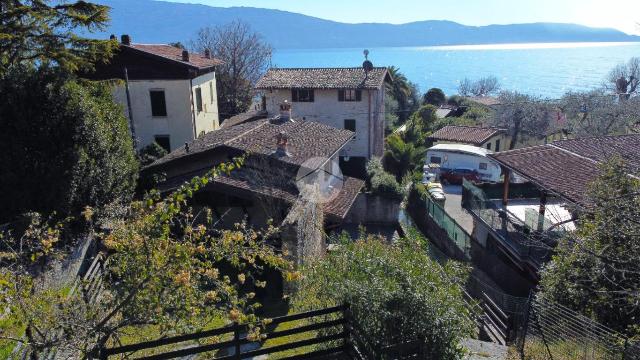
162 22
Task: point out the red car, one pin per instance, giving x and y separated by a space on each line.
455 176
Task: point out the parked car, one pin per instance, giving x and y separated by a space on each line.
455 176
436 192
458 156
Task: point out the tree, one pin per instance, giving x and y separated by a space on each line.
434 97
396 293
596 113
168 266
404 92
625 78
522 115
245 58
382 182
403 157
596 269
64 145
46 32
482 87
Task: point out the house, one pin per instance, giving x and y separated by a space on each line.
344 98
519 224
490 138
283 155
168 94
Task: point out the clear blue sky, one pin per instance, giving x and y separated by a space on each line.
620 14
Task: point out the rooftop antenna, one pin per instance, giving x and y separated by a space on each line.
367 65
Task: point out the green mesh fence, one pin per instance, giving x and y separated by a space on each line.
455 232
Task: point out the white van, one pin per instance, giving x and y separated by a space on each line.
457 156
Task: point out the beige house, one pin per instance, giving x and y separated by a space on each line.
168 94
343 98
490 138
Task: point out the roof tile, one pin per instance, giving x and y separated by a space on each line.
323 78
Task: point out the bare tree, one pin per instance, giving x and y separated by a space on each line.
596 113
522 114
625 78
482 87
246 57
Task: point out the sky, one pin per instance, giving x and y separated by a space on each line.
619 14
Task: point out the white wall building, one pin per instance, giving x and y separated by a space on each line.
168 94
344 98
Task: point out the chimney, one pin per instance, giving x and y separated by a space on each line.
285 111
112 37
207 53
281 145
186 147
185 55
125 39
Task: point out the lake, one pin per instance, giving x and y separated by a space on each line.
548 70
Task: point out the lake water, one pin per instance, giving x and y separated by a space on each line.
548 70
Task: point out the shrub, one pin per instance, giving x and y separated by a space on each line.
64 145
435 97
382 182
396 294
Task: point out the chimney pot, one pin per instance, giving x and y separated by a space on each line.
185 55
207 53
282 141
285 111
125 39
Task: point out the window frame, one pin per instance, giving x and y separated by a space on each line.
483 166
199 103
295 95
163 137
349 95
161 114
497 145
350 121
435 157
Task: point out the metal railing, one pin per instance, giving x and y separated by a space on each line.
456 233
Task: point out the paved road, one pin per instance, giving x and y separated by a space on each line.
453 207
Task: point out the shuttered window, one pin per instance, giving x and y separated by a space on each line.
302 95
164 142
350 124
199 99
158 103
349 95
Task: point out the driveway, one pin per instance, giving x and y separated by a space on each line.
453 207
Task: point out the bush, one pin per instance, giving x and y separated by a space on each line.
64 145
396 294
382 182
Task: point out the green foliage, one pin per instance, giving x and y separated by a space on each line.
434 97
167 266
150 153
596 269
381 181
403 157
425 117
64 145
46 32
404 92
396 293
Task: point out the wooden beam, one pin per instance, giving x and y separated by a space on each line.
505 188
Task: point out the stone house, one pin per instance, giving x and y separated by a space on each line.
168 94
344 98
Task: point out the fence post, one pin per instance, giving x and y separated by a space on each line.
236 341
526 325
346 328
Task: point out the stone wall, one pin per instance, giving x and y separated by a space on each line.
373 209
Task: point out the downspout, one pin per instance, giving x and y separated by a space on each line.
370 126
193 106
126 89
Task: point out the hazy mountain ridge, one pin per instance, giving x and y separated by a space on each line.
161 22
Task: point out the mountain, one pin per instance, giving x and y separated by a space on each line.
148 21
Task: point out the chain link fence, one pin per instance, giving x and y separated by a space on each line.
555 332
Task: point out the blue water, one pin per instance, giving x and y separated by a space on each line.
548 70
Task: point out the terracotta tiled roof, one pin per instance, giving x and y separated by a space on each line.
567 167
340 205
243 118
484 100
307 140
175 54
466 134
323 78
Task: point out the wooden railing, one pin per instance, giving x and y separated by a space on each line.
326 327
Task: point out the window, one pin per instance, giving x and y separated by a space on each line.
350 124
497 145
211 92
436 160
163 141
199 99
489 146
349 95
483 166
301 95
158 103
